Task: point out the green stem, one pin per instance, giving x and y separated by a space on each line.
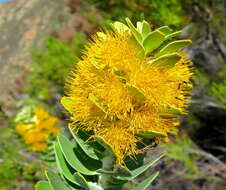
108 165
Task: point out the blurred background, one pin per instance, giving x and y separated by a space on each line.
41 41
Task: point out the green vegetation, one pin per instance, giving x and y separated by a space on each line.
182 150
196 157
51 65
167 12
15 167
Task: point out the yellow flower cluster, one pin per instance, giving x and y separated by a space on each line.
119 95
36 133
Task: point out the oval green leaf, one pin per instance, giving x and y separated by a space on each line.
98 102
167 60
55 181
43 185
63 165
153 41
120 27
70 154
66 102
136 34
146 29
136 93
139 170
88 149
165 30
173 46
172 35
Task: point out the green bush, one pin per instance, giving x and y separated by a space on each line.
14 166
218 91
51 64
182 150
167 12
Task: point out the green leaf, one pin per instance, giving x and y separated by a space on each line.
167 60
165 30
66 102
81 180
151 134
146 29
173 46
43 185
153 41
26 115
107 147
120 27
172 35
169 111
102 35
62 165
145 183
139 27
123 172
139 170
118 72
136 93
133 42
98 102
88 149
136 34
97 63
94 186
55 181
70 154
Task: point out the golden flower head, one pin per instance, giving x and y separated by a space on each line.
129 85
36 132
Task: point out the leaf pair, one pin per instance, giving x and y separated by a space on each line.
152 40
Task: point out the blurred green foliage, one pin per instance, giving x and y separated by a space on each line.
167 12
181 150
14 166
51 65
217 89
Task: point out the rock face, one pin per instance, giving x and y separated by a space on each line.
24 24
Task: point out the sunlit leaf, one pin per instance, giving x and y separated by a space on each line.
173 46
146 29
120 27
165 30
98 102
153 40
66 102
43 185
172 35
139 27
136 93
136 34
167 60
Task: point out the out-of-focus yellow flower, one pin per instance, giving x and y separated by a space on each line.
23 128
119 94
37 133
39 147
